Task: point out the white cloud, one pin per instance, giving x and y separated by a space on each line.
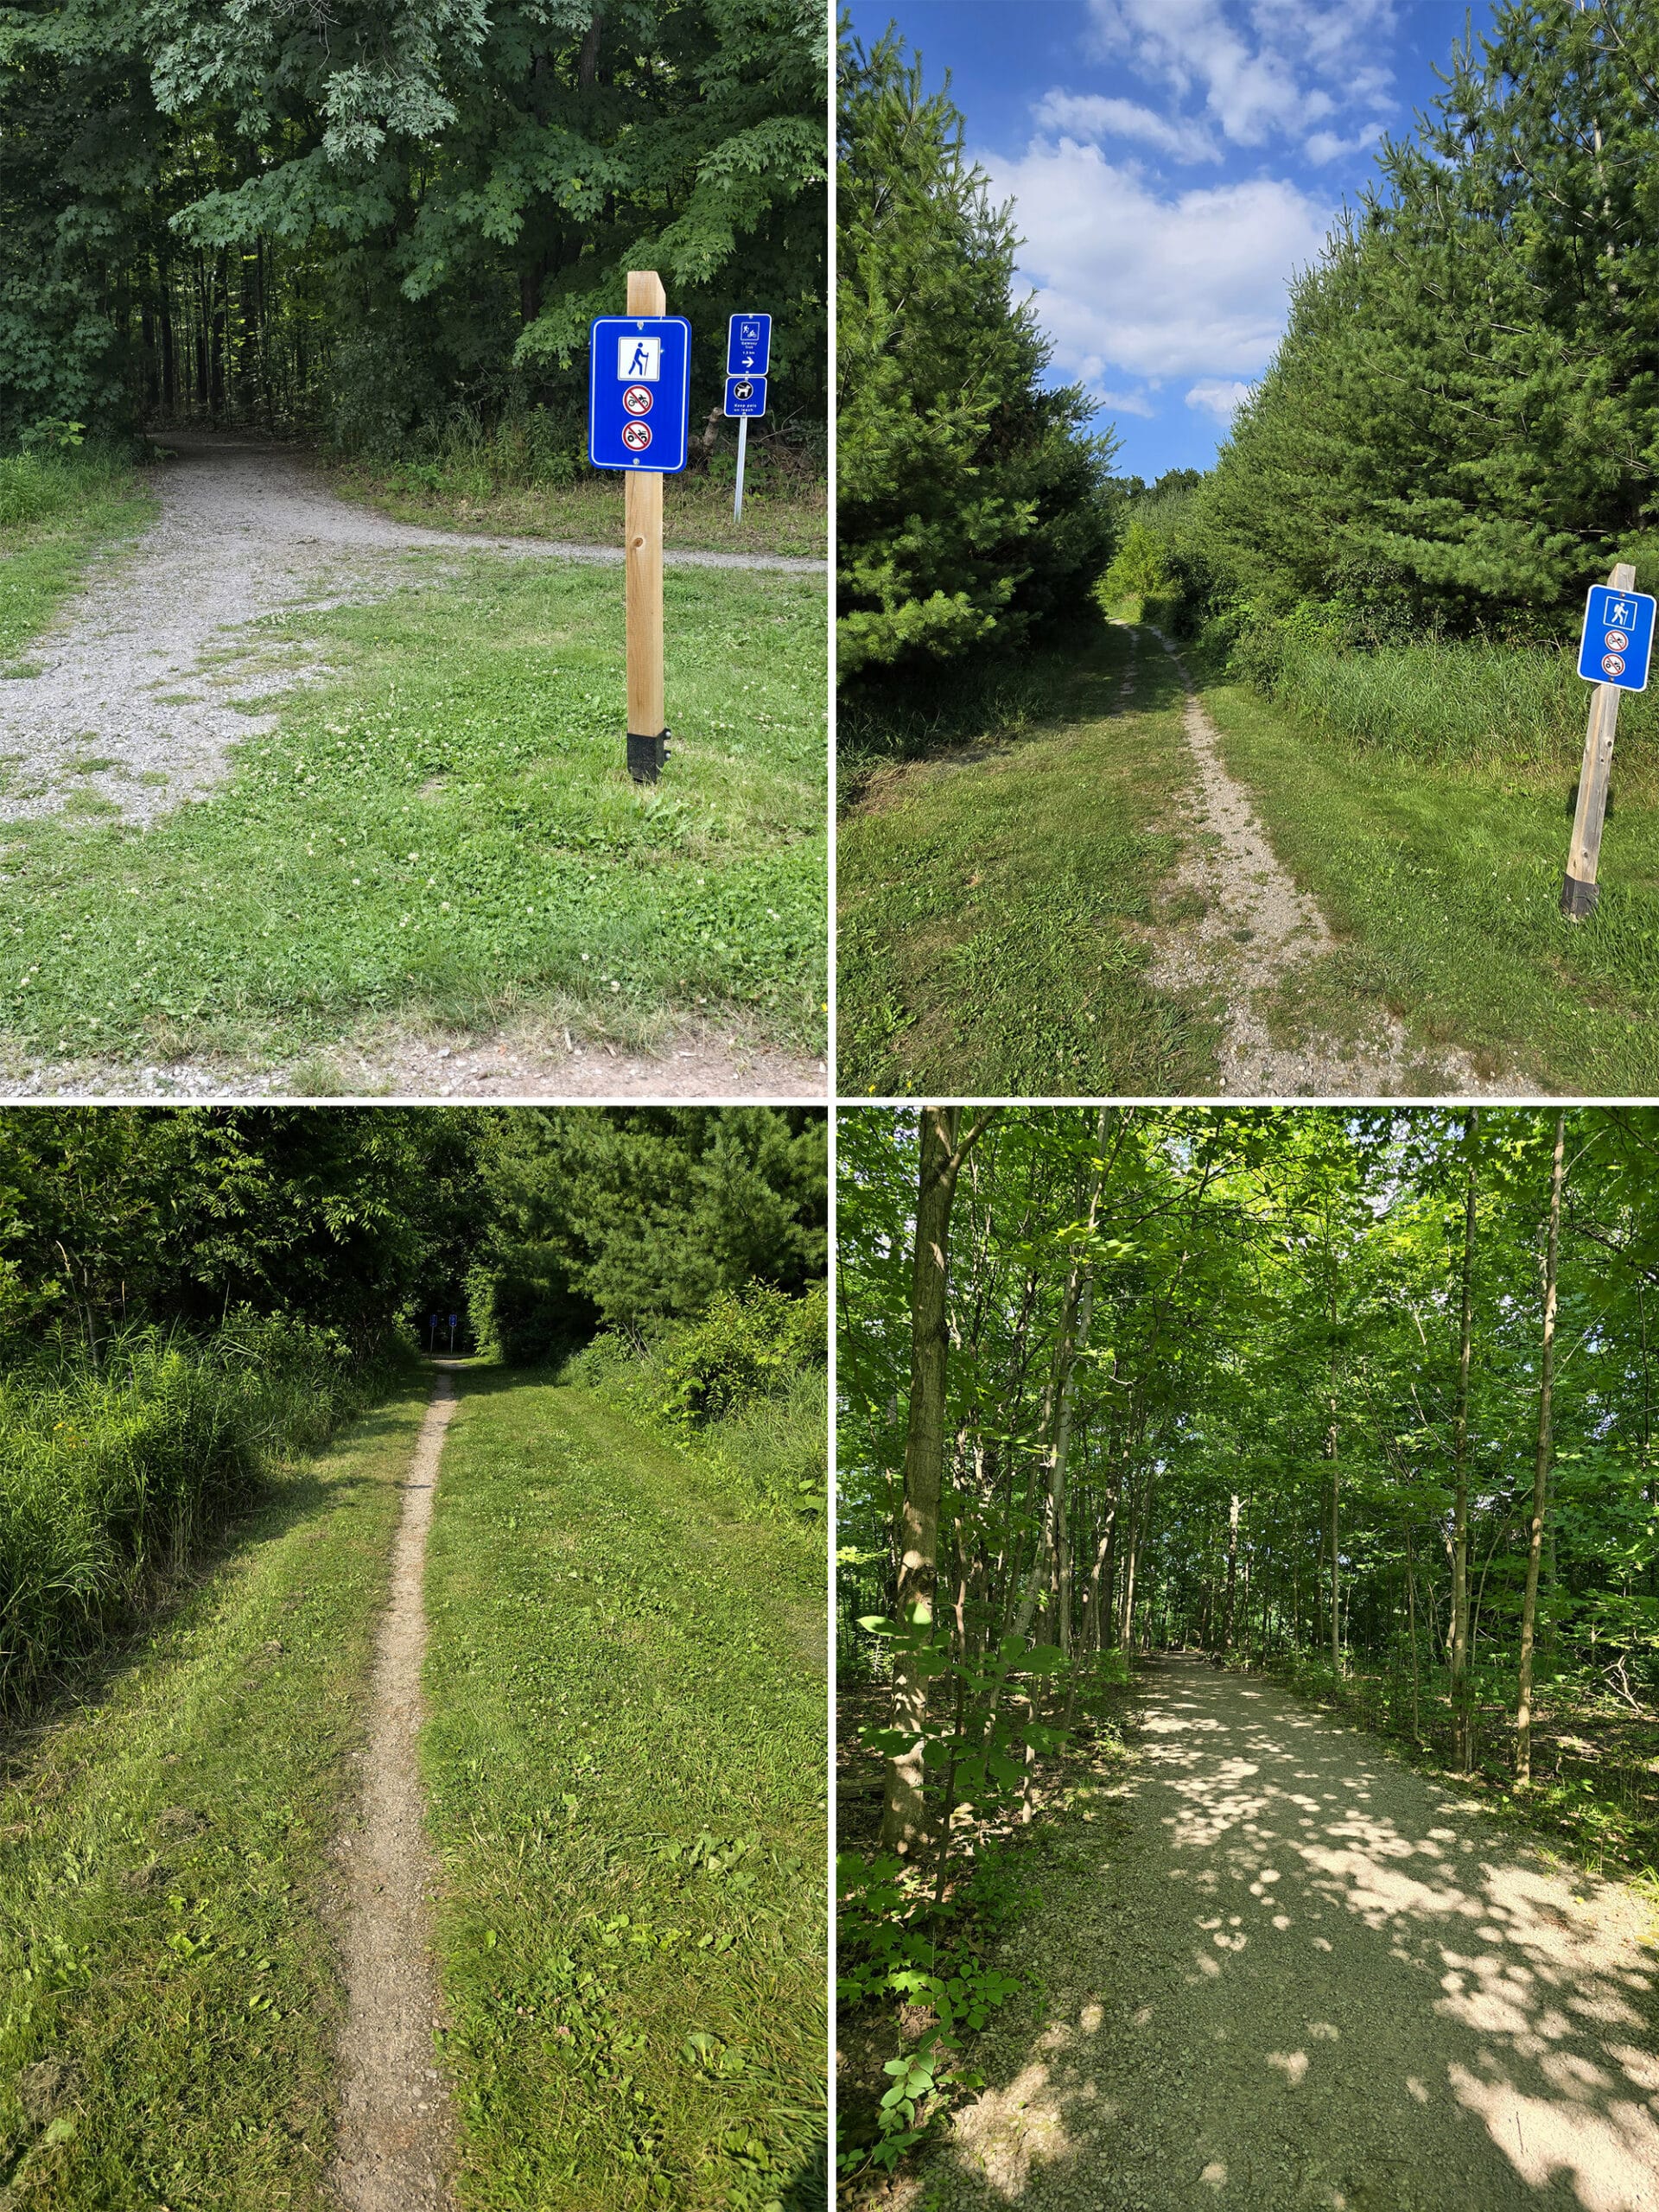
1091 116
1218 396
1264 69
1324 145
1192 285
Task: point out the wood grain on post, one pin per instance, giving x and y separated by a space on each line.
643 514
1581 890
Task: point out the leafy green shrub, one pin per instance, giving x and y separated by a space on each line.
111 1477
740 1350
745 1386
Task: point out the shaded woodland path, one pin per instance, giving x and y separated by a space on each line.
140 671
1293 1973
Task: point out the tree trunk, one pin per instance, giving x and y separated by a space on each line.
1461 1746
1232 1575
904 1820
1541 1466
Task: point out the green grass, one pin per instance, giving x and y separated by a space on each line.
170 2001
111 1479
627 1769
445 830
990 898
1443 886
56 511
784 511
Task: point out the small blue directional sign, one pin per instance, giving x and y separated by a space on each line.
638 391
748 346
746 395
1618 642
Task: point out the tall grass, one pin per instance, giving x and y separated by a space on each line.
744 1388
36 487
111 1475
1449 702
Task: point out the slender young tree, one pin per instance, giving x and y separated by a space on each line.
1462 1745
942 1148
1540 1465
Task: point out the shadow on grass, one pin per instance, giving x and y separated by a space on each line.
92 1675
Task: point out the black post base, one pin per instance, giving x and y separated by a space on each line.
646 756
1578 898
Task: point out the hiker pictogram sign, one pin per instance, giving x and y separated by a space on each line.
640 378
1616 646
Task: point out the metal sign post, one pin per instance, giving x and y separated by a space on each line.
1614 653
454 1318
432 1333
638 397
748 350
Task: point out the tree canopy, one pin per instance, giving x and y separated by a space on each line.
375 214
1461 428
1210 1378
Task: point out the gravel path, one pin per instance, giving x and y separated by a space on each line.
395 2149
1305 1976
1256 930
136 700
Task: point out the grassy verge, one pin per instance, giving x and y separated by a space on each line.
57 511
626 1775
1442 883
993 899
784 511
169 1999
444 830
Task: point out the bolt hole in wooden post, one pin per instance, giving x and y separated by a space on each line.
1579 890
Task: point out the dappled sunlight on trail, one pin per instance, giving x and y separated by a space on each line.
1306 1976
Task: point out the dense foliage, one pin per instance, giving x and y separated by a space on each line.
1203 1387
189 1296
1460 430
971 508
632 1216
272 214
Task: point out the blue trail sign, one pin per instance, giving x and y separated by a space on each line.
748 346
745 395
638 391
1618 643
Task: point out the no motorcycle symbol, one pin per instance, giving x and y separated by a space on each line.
637 399
636 437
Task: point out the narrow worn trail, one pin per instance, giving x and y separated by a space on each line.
1256 930
1294 1975
395 2152
150 669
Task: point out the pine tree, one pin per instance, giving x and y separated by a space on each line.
970 501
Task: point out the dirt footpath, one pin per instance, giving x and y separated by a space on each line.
1255 929
140 686
1300 1975
395 2152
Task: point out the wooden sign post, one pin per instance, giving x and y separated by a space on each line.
1581 890
643 520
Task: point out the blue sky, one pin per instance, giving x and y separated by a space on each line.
1173 162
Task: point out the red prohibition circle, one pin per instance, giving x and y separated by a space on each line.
1617 641
636 437
637 399
1612 663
